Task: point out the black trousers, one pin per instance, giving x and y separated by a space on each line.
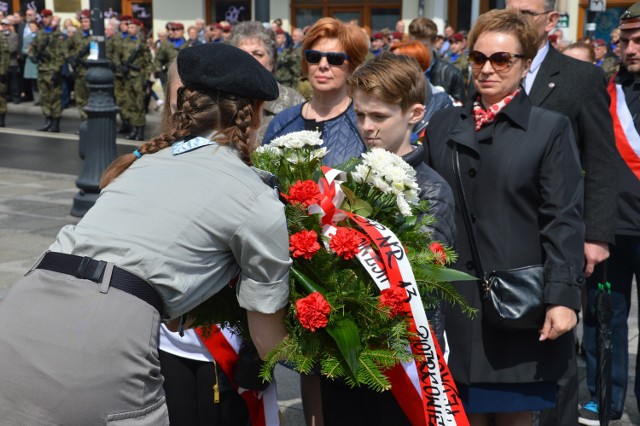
345 406
189 388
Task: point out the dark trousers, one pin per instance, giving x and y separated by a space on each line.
345 406
13 82
622 265
188 385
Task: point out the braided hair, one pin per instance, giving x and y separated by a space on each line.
200 110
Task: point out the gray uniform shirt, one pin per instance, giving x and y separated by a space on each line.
189 224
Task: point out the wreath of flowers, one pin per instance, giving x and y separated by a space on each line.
340 323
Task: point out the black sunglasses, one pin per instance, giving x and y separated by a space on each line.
333 58
500 61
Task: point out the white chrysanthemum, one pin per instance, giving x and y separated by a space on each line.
379 182
296 158
297 140
319 153
360 173
270 150
403 206
411 196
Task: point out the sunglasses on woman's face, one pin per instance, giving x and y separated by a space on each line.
333 58
500 61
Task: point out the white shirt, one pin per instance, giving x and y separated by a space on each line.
535 67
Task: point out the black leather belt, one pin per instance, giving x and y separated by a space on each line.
90 269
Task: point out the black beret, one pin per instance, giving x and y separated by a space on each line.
228 69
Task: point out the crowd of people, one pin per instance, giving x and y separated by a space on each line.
525 145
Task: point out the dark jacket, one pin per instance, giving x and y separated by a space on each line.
340 134
578 90
628 220
437 192
442 73
524 189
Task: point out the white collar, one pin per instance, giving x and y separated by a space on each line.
183 146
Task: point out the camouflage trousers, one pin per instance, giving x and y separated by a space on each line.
120 91
81 92
3 99
50 88
133 108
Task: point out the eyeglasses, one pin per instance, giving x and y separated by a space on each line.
333 58
534 14
500 61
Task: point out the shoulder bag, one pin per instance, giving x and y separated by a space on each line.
511 299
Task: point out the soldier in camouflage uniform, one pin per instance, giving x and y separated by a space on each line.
78 47
288 62
169 49
114 48
4 67
458 55
135 66
49 51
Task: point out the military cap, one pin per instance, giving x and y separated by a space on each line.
46 12
630 19
378 36
279 30
137 22
85 14
598 42
178 26
228 69
456 37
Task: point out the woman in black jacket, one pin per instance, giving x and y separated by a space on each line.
523 186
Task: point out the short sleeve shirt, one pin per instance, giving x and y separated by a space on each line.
190 224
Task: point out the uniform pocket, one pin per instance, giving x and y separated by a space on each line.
155 414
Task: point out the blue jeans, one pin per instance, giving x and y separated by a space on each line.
622 266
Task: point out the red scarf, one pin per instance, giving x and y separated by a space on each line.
484 117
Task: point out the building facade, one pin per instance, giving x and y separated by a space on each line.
374 15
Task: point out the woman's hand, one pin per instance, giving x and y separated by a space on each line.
559 320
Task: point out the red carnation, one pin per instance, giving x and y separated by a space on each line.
345 242
312 311
440 256
394 298
306 193
304 244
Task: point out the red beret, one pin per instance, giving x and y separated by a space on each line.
456 37
226 28
46 12
85 14
178 26
397 35
137 22
279 30
598 42
125 18
378 36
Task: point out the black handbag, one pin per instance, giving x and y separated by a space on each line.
511 299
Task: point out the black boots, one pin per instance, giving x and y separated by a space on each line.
50 125
1 120
55 125
137 134
46 126
125 127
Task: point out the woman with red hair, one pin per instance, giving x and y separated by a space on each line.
435 98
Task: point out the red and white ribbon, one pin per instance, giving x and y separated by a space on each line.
223 346
423 388
624 129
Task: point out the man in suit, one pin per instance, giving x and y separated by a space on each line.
578 90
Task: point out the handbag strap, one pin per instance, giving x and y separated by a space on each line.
466 215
